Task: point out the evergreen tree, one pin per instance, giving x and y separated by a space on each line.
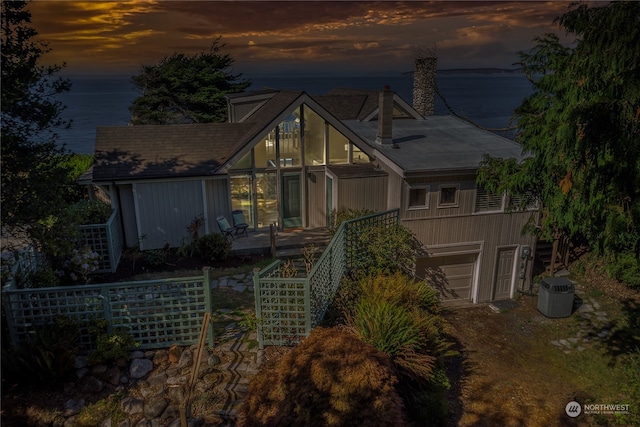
35 182
581 128
186 89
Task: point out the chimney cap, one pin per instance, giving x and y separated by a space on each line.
386 87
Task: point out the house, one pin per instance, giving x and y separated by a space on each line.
290 159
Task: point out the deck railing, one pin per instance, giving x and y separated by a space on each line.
288 308
157 313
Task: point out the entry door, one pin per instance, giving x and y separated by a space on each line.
291 200
504 274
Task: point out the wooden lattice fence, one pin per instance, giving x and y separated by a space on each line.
157 313
288 308
106 240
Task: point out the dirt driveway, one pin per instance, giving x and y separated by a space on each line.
519 368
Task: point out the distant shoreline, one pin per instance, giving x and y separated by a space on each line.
480 71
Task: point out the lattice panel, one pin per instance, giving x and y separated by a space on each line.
29 309
156 313
283 317
325 278
97 238
159 313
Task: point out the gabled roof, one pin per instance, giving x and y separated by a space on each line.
141 152
176 151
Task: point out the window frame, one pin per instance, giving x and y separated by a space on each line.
425 187
453 204
481 212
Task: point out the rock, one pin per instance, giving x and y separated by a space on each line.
140 367
92 385
240 288
161 358
81 373
186 359
106 423
174 353
171 413
239 276
81 362
125 423
157 380
149 354
73 407
136 355
176 393
122 362
98 370
154 407
183 379
131 405
213 360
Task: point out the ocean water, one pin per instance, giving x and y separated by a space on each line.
487 99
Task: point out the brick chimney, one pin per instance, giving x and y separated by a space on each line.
424 85
385 116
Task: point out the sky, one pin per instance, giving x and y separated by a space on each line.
297 37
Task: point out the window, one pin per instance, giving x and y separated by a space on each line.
448 196
418 196
487 201
522 202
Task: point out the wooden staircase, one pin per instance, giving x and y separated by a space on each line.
556 255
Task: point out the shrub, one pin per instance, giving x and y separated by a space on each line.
399 316
342 215
87 212
155 257
110 346
330 379
213 247
80 264
625 267
48 356
43 277
386 250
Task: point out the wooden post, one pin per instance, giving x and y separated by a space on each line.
272 239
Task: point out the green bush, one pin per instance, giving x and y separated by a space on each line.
155 257
342 215
400 316
43 277
213 247
625 267
87 212
330 379
387 249
110 346
47 357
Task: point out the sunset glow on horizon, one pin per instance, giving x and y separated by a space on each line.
291 37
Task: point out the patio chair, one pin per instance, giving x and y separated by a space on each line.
239 223
225 228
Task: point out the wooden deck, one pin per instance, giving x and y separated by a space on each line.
288 241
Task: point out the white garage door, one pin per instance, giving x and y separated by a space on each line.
452 275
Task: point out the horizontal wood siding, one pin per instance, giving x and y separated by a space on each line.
494 230
317 199
165 209
363 193
218 203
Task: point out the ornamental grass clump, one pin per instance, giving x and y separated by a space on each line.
330 379
400 317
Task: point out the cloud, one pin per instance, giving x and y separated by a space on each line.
127 34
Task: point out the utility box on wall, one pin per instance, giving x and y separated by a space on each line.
555 297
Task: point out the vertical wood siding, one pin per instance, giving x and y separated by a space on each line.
165 209
128 215
218 203
363 193
316 199
494 230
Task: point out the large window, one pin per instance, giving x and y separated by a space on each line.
242 196
359 156
338 147
289 140
487 201
265 152
418 196
314 137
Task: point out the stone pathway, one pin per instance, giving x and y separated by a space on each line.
594 326
155 383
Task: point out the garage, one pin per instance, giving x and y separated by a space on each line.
452 275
